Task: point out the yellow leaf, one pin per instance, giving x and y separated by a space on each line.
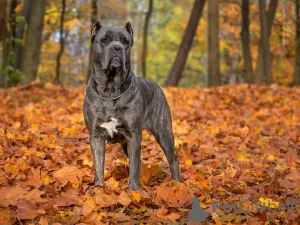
136 196
43 221
68 131
271 158
139 210
9 135
48 85
188 162
11 168
40 153
91 202
45 178
242 157
23 165
177 142
101 216
65 213
34 128
178 11
218 222
17 125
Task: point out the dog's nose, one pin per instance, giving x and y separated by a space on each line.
117 48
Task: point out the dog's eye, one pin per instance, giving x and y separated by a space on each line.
103 40
126 41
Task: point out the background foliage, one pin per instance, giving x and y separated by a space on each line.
167 25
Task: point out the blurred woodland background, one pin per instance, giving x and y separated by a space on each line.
177 43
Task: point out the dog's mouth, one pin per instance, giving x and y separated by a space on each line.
115 63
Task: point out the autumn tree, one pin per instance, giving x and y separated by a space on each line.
214 78
32 46
245 37
297 61
263 70
186 43
145 38
61 41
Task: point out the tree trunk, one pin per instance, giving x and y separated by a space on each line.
33 42
245 37
145 38
186 43
2 18
214 78
13 23
61 41
297 61
20 33
8 42
3 31
270 15
264 43
94 16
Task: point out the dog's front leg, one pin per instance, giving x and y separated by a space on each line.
98 150
134 155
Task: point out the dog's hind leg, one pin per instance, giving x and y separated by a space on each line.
165 139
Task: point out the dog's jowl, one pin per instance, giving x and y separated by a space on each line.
118 105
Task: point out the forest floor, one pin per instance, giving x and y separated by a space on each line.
237 145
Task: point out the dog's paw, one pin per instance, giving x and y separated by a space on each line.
133 186
98 182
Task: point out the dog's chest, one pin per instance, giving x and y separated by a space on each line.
111 126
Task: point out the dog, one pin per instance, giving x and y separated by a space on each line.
118 106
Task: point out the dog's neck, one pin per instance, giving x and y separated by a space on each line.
111 83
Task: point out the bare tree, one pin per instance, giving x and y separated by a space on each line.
186 43
33 42
297 61
61 41
145 38
94 16
245 37
214 78
20 33
263 74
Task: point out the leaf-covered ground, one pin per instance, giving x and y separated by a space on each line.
234 143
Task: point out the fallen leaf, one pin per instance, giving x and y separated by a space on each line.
26 210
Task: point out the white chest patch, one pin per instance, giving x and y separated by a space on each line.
111 126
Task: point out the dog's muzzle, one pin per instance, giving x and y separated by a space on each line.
115 57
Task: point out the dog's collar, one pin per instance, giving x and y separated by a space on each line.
118 95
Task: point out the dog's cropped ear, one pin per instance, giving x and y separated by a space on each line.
95 29
129 29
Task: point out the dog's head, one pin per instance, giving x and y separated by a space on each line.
112 46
